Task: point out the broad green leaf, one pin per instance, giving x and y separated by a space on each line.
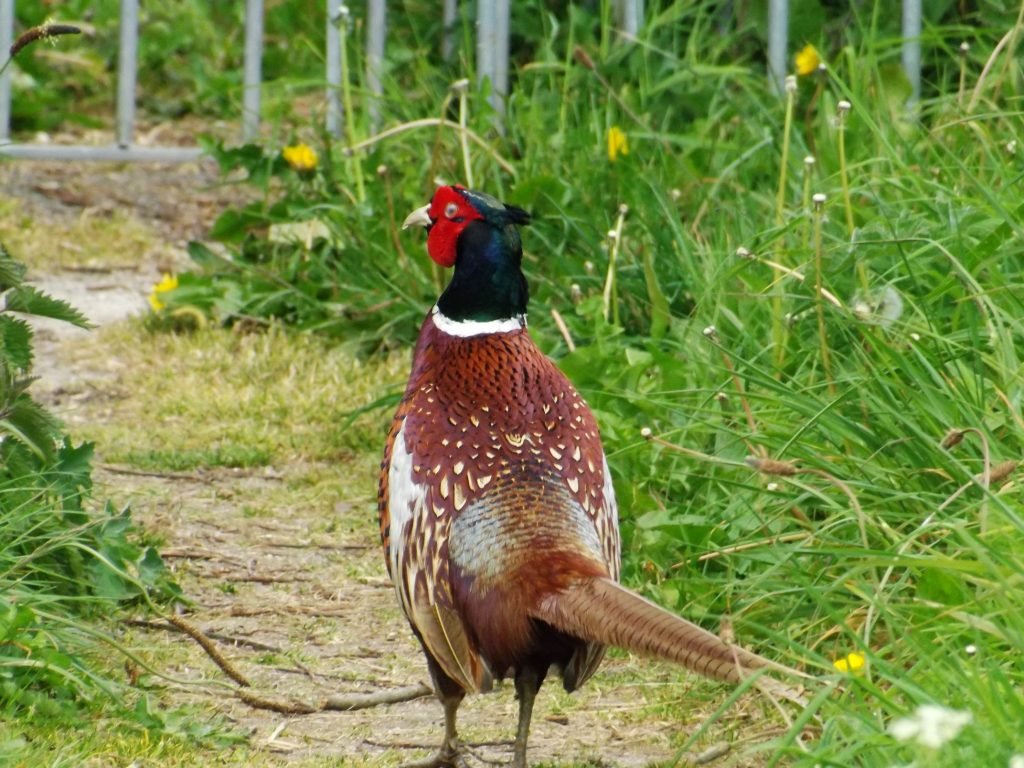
15 343
32 301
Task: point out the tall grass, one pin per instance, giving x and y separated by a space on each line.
832 414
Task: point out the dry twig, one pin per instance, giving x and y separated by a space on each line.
208 645
241 642
339 702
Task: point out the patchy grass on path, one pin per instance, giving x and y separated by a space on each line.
210 398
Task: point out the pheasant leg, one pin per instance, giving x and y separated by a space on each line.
450 754
527 684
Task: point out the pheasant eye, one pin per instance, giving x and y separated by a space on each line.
451 209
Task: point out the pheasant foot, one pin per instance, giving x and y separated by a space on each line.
450 755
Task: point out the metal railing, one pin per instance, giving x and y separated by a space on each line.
492 63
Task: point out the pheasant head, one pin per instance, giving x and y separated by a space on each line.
478 236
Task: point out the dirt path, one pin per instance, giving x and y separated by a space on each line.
297 598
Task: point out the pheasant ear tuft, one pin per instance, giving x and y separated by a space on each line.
517 215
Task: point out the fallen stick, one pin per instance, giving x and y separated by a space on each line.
242 642
208 645
339 702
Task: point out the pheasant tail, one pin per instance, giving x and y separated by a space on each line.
601 611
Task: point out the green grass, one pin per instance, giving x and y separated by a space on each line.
211 399
91 240
880 535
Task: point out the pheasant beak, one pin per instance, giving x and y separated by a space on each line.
419 217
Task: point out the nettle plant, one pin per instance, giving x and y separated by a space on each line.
59 560
29 434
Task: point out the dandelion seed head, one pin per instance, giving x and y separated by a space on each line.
1011 147
965 48
882 308
930 725
970 649
709 331
743 253
809 161
772 487
613 235
843 106
790 83
645 433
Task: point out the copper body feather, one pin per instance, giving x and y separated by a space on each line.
504 498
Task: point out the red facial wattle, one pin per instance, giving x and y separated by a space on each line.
450 213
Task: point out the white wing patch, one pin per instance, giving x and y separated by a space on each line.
407 501
610 536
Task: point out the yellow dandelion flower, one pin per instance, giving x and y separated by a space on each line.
301 157
852 663
808 60
618 144
167 283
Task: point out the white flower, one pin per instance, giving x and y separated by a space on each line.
931 725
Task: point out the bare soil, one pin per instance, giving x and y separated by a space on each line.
299 603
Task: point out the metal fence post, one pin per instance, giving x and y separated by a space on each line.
376 35
492 48
333 72
485 40
912 46
253 69
448 19
629 14
127 67
503 12
778 39
6 39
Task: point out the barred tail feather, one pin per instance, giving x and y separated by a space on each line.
601 611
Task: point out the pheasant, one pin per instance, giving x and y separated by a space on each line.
497 511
